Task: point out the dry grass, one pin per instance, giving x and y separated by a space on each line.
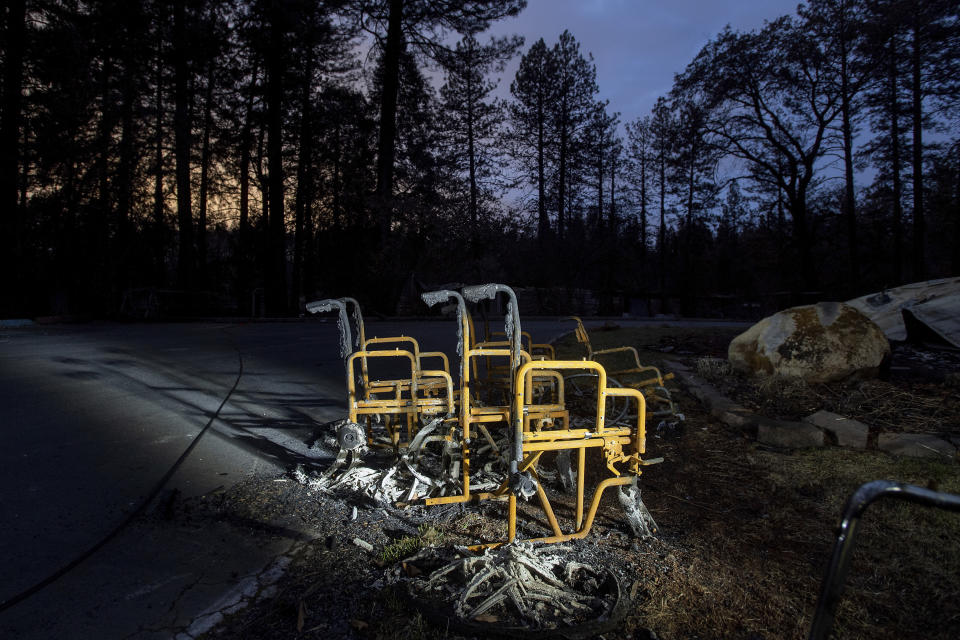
747 532
884 405
711 368
427 536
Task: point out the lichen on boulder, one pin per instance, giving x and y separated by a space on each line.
822 342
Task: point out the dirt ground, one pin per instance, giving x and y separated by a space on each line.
744 536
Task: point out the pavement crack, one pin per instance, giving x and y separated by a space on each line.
186 588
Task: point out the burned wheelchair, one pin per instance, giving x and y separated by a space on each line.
492 436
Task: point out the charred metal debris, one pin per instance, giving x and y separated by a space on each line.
508 426
519 425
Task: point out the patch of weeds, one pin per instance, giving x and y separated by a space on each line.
779 386
403 626
405 547
714 369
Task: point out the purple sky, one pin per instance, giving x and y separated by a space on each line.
637 45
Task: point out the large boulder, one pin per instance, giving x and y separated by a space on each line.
818 343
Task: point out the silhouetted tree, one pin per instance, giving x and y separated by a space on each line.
600 142
882 48
771 104
839 26
14 50
533 90
472 120
662 126
417 26
640 154
576 83
930 24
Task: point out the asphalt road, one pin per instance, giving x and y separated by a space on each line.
92 417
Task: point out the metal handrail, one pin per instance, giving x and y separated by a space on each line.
857 504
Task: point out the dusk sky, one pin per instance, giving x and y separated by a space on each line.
637 45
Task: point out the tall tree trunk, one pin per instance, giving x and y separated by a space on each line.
159 227
686 290
310 262
562 181
12 296
244 271
600 216
956 213
849 196
386 145
919 221
471 152
263 182
260 237
797 204
125 174
182 143
304 193
643 218
662 230
106 137
339 219
543 221
691 187
205 177
97 261
25 168
276 280
895 166
613 195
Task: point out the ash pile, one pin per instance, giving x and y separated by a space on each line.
392 477
542 590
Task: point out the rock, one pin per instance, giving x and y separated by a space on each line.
737 416
363 544
788 435
719 406
917 445
849 433
674 365
818 343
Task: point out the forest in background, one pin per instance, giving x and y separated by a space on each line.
228 153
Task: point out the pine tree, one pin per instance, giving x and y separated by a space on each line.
640 155
883 49
575 78
930 23
839 26
533 91
417 27
599 144
662 127
471 119
14 49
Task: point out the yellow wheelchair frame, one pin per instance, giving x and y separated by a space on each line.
534 426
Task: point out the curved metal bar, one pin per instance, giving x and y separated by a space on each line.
431 298
836 575
479 292
476 293
343 322
361 337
